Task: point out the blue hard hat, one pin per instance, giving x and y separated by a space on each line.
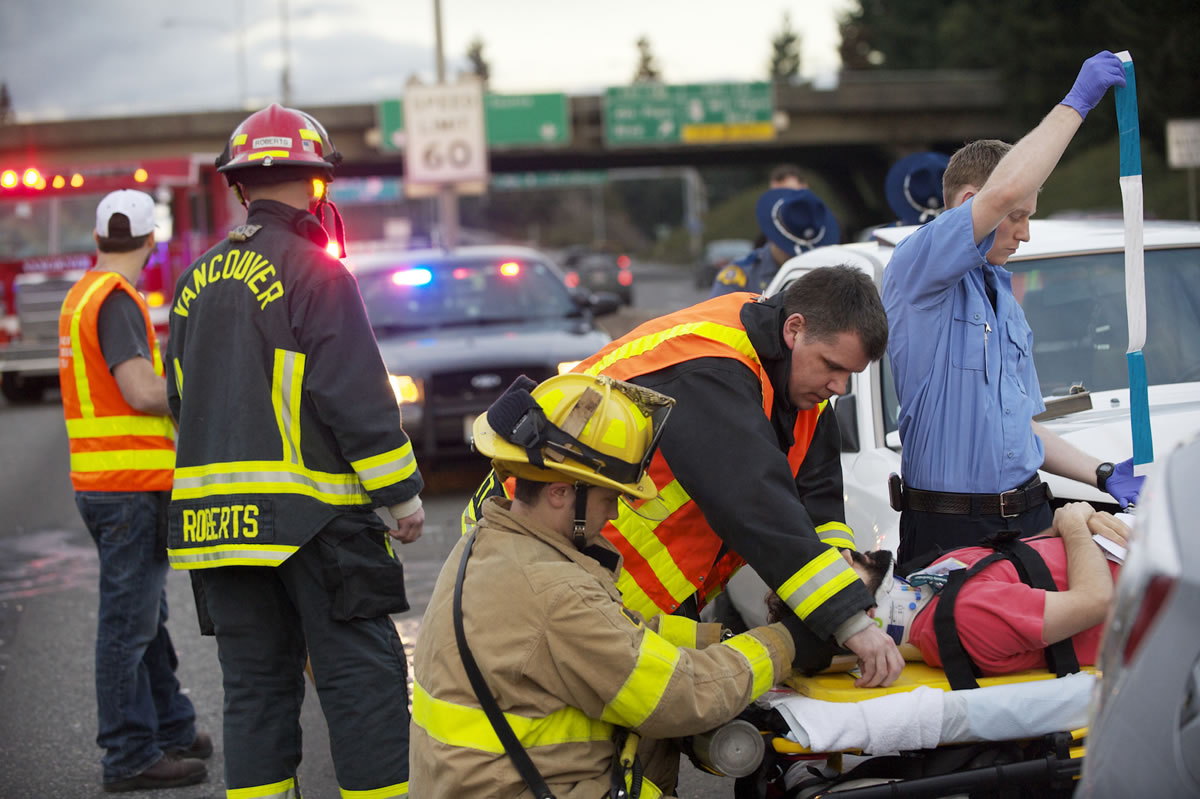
795 220
914 187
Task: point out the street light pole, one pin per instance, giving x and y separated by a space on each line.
447 197
286 74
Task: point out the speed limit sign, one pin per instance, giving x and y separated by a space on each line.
445 142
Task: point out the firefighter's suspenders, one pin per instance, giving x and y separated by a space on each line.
625 759
961 671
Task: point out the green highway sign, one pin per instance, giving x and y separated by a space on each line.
701 113
512 120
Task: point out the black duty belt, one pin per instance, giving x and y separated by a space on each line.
1009 504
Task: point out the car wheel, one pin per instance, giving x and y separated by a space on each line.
21 390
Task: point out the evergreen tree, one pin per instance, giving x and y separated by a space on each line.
6 110
785 53
477 62
647 68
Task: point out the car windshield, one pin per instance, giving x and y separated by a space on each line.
1076 308
728 249
462 291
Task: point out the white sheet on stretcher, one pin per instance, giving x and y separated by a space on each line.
927 717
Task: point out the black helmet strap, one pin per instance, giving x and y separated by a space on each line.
577 532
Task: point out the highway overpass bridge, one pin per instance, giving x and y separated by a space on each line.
848 135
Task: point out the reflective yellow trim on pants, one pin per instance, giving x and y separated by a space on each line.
759 657
646 684
640 534
733 337
678 630
389 792
109 426
836 534
284 789
267 477
468 727
386 468
123 460
230 555
820 579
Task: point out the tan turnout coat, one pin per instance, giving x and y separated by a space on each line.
567 663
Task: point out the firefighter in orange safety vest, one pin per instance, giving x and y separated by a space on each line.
289 439
750 468
531 678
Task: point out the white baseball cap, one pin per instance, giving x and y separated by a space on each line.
136 205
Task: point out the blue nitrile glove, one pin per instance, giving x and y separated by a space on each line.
1096 75
1122 483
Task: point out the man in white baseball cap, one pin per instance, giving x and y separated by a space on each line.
136 206
122 467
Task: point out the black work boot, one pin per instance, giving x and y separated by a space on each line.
168 772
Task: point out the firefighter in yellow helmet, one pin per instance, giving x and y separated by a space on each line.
529 672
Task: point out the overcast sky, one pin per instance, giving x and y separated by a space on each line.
100 58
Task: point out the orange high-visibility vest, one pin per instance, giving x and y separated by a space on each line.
114 447
668 561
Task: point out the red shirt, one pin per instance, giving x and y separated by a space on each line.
1000 619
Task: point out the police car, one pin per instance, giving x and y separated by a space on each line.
1070 281
455 329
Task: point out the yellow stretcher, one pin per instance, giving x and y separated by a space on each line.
1044 763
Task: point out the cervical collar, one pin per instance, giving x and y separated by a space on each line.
897 603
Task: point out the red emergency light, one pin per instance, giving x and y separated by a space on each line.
29 180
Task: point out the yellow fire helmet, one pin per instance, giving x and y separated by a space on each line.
576 428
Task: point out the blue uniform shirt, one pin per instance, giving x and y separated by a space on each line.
752 272
964 372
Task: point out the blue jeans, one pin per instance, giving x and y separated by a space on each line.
140 709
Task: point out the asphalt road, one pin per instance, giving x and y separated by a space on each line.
48 576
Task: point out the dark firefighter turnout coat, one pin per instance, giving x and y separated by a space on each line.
285 411
747 476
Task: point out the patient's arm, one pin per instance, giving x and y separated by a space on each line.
1090 586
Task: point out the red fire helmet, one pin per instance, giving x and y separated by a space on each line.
278 137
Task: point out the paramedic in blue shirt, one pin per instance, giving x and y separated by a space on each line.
793 221
961 350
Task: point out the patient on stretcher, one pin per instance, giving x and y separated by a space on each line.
1004 624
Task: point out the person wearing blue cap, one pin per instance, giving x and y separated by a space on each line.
962 352
914 187
794 221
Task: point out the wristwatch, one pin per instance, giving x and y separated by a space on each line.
1103 472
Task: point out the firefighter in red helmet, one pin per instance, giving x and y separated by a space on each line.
289 440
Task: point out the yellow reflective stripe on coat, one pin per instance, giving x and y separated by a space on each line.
678 630
491 486
284 789
468 727
646 684
286 382
267 477
388 792
83 389
120 460
230 555
109 426
178 377
821 578
733 337
836 534
386 468
756 652
640 534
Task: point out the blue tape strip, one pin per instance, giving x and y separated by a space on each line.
1139 409
1127 124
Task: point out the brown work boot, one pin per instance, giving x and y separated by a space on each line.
201 748
169 772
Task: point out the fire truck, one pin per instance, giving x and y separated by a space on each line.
47 217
